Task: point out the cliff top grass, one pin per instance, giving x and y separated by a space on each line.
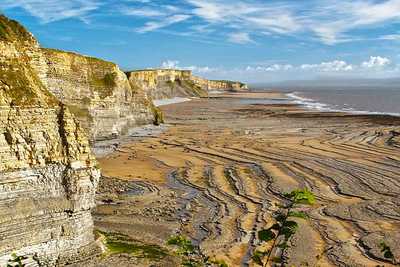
22 86
11 30
90 59
101 74
19 83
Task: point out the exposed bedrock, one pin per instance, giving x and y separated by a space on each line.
97 92
165 83
48 176
168 83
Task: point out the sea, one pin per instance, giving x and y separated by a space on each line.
353 100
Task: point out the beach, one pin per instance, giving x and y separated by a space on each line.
219 171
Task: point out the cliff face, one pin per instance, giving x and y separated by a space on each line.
217 85
167 83
97 92
47 173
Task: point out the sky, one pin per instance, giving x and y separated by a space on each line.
247 40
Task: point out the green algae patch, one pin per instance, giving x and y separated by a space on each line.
117 243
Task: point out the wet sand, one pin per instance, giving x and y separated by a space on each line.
219 172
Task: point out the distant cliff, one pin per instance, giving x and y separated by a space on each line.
219 85
167 83
48 176
97 92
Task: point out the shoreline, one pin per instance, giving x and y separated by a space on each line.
324 107
218 152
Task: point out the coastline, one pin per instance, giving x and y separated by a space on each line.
349 161
170 101
324 107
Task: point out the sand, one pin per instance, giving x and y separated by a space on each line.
218 173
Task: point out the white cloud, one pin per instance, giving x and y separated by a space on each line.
333 22
240 38
328 21
331 66
54 10
376 62
142 12
270 68
155 25
174 64
267 71
392 37
170 64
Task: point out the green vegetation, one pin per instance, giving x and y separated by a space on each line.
117 243
21 84
16 261
185 245
158 115
78 111
387 252
11 30
192 88
171 84
101 74
284 227
298 214
191 256
109 79
258 256
104 85
301 196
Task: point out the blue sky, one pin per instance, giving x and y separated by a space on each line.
249 40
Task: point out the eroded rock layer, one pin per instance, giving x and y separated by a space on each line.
47 173
168 83
219 85
220 174
97 92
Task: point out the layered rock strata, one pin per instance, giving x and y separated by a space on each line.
168 83
219 85
97 92
48 176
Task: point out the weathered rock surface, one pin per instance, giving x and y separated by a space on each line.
217 85
48 176
168 83
165 83
97 92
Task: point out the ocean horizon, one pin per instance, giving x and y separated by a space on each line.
357 100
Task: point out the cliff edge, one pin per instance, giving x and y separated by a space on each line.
48 176
97 92
169 83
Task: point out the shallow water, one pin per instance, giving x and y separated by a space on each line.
372 101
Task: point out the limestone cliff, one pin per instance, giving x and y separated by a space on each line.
97 92
168 83
219 85
47 173
165 83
